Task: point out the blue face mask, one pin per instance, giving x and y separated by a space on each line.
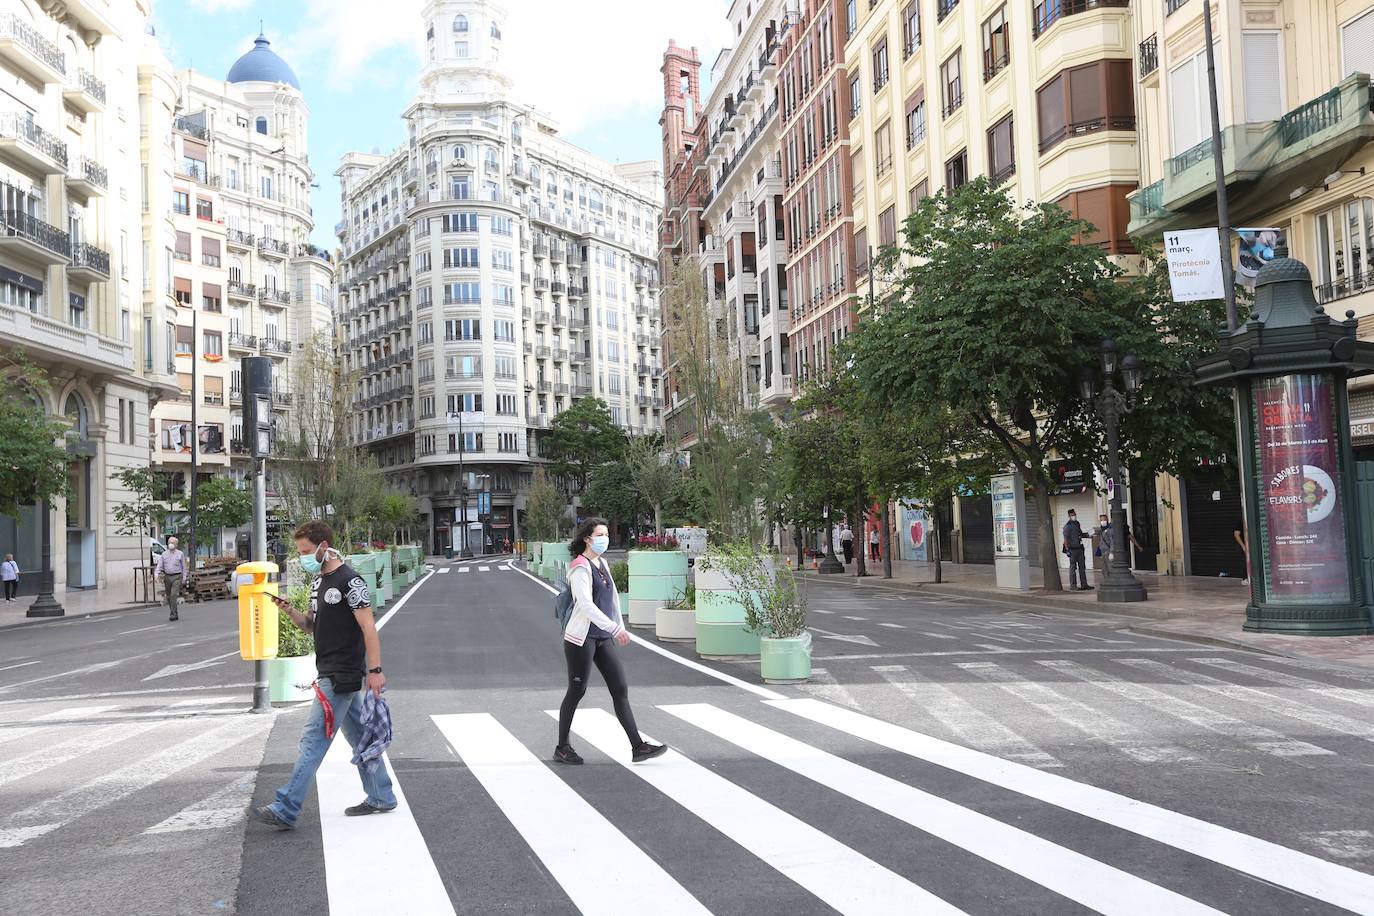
310 564
599 544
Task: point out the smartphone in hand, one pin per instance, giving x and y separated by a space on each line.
280 602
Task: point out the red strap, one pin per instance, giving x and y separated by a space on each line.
328 711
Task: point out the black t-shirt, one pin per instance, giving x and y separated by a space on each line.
339 651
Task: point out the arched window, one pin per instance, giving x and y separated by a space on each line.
460 23
261 125
534 174
75 411
489 154
460 152
595 198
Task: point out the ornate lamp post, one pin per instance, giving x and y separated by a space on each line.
1303 512
1112 404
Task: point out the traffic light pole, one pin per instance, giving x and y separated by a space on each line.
257 407
261 697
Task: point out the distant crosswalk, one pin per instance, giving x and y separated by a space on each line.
444 570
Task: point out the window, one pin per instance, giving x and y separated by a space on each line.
460 49
503 330
1001 151
887 227
463 329
211 297
956 170
916 118
508 442
880 72
505 367
996 51
1094 97
861 251
851 18
1345 243
855 88
181 203
426 332
426 406
501 259
214 344
460 257
460 222
460 23
76 310
882 148
1263 75
952 84
468 442
265 187
261 125
463 366
204 209
20 290
506 405
917 194
911 29
1357 45
501 225
464 403
462 293
856 162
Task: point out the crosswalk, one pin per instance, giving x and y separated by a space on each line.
444 570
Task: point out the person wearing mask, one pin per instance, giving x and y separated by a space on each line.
348 656
172 571
1073 546
847 543
593 632
9 571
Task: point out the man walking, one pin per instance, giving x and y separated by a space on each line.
348 653
1073 546
873 542
171 570
847 543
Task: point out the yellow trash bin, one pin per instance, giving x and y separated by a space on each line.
257 612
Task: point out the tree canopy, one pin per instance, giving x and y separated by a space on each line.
33 459
581 439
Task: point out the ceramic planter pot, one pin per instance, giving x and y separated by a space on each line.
720 628
289 679
675 624
656 578
785 661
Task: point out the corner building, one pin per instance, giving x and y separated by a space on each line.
492 275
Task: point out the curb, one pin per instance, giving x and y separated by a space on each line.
40 621
1220 642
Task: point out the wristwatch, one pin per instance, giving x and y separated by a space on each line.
377 670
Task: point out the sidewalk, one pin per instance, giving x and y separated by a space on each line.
1203 610
78 603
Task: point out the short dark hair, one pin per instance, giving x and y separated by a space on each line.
316 532
578 545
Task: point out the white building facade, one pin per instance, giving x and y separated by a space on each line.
493 272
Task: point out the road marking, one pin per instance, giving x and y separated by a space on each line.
685 662
1345 694
1093 722
21 665
171 670
464 569
840 637
404 598
1270 862
817 610
55 812
1094 884
995 650
1258 737
445 571
83 743
938 635
484 569
968 722
560 826
88 669
125 693
893 626
824 685
395 848
843 878
160 626
224 808
850 617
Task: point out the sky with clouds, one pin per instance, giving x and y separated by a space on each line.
591 64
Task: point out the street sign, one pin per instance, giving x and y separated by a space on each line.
1194 264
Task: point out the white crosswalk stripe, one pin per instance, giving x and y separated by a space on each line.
223 808
1092 721
1257 736
1345 694
967 721
1087 881
846 880
444 571
1270 862
561 827
86 741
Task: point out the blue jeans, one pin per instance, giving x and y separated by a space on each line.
348 710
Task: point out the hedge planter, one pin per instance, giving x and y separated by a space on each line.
385 574
365 565
625 607
657 577
676 624
721 632
785 661
556 560
289 679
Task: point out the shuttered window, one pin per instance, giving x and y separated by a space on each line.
1108 211
1190 114
1082 100
887 227
1357 45
1263 76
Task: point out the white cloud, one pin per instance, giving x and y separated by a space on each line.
220 6
583 62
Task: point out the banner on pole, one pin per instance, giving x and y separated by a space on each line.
1257 248
1194 264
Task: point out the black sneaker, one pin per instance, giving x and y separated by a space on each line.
367 808
648 751
565 754
265 815
1086 588
173 618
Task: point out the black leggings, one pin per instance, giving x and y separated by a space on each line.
11 588
580 659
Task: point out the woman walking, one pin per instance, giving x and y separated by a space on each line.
593 631
9 571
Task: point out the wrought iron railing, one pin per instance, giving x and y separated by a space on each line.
24 129
17 224
1149 55
1047 12
11 26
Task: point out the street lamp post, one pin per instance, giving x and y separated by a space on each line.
1112 404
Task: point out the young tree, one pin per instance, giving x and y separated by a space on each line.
612 494
581 439
544 508
314 456
995 312
142 510
219 504
655 473
33 458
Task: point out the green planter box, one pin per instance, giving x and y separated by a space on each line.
625 608
289 679
720 628
785 661
385 574
365 565
657 578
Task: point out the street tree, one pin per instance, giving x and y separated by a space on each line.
220 504
581 439
544 508
829 464
994 312
654 472
33 456
612 494
140 513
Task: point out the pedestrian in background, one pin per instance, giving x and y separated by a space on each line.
1073 546
348 654
9 571
1242 537
847 543
591 635
172 571
873 542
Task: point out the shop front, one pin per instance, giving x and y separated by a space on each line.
1211 496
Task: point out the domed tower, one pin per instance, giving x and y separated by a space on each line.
463 59
262 65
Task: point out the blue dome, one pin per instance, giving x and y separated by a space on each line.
262 65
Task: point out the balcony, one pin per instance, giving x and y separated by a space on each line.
192 126
560 388
1047 12
86 178
943 8
239 289
543 386
273 345
75 349
22 141
22 47
558 287
84 92
560 355
541 316
541 421
541 284
542 352
237 238
557 253
643 369
541 248
273 248
277 297
240 341
581 391
32 238
89 263
1149 56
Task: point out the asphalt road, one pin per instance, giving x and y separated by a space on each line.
949 756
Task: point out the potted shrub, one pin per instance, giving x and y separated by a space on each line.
722 627
658 574
774 608
291 673
620 575
676 620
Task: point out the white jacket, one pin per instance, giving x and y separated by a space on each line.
584 611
